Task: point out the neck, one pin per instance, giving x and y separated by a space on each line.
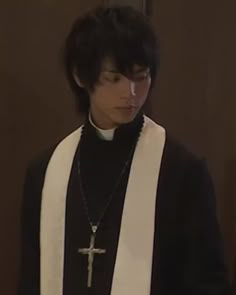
101 122
106 134
101 126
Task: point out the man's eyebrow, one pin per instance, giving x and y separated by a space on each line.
117 72
110 71
142 70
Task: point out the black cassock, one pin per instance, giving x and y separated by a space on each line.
187 257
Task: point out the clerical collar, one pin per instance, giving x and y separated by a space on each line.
102 133
124 133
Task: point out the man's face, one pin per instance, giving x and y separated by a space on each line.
116 99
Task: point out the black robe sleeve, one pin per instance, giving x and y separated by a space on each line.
29 274
205 272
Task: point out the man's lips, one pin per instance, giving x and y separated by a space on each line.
127 108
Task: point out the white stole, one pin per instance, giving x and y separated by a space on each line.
133 267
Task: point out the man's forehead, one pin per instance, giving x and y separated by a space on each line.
108 64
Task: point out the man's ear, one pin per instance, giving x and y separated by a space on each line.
77 80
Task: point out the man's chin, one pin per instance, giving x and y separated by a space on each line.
126 118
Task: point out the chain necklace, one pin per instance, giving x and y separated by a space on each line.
94 226
85 203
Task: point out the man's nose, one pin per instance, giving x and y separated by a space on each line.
133 88
129 88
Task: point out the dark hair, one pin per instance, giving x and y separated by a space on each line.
119 32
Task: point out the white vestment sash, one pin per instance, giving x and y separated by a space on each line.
133 267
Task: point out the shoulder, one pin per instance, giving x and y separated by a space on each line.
36 172
185 166
176 157
174 152
177 154
182 166
38 165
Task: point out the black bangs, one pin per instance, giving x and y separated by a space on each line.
120 33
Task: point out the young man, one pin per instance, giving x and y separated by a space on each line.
118 207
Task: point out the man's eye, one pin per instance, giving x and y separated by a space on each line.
113 78
141 76
116 79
